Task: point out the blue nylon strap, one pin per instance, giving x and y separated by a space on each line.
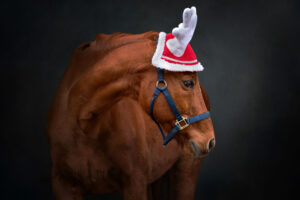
155 95
176 128
160 74
168 96
171 134
172 104
198 118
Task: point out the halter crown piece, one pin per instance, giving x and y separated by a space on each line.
174 53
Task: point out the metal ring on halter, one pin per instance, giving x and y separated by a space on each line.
162 81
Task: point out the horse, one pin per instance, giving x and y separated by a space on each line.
101 136
107 114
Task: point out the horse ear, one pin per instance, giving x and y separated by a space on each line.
205 97
184 32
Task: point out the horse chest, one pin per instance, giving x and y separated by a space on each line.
162 159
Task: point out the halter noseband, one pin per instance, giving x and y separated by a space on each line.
181 122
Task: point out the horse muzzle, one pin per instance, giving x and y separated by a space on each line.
201 151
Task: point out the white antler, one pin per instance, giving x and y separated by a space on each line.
184 32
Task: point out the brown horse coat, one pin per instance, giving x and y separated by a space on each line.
101 136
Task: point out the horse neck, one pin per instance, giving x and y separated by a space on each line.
106 95
117 75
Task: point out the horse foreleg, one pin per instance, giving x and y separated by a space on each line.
65 191
135 188
186 173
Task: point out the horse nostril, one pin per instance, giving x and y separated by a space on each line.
211 144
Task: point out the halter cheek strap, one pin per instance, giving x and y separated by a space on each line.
181 122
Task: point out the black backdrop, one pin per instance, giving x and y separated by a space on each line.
251 57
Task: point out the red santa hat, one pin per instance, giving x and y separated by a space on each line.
173 51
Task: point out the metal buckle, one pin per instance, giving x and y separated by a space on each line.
161 81
179 123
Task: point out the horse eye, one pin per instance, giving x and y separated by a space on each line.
189 83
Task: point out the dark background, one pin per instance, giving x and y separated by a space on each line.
250 52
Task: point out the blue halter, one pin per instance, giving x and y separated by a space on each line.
181 122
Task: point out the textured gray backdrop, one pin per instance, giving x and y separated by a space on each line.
250 52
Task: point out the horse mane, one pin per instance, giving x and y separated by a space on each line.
105 43
86 55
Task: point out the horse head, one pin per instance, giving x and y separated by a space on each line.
190 99
175 55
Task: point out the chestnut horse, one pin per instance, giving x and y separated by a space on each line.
101 136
